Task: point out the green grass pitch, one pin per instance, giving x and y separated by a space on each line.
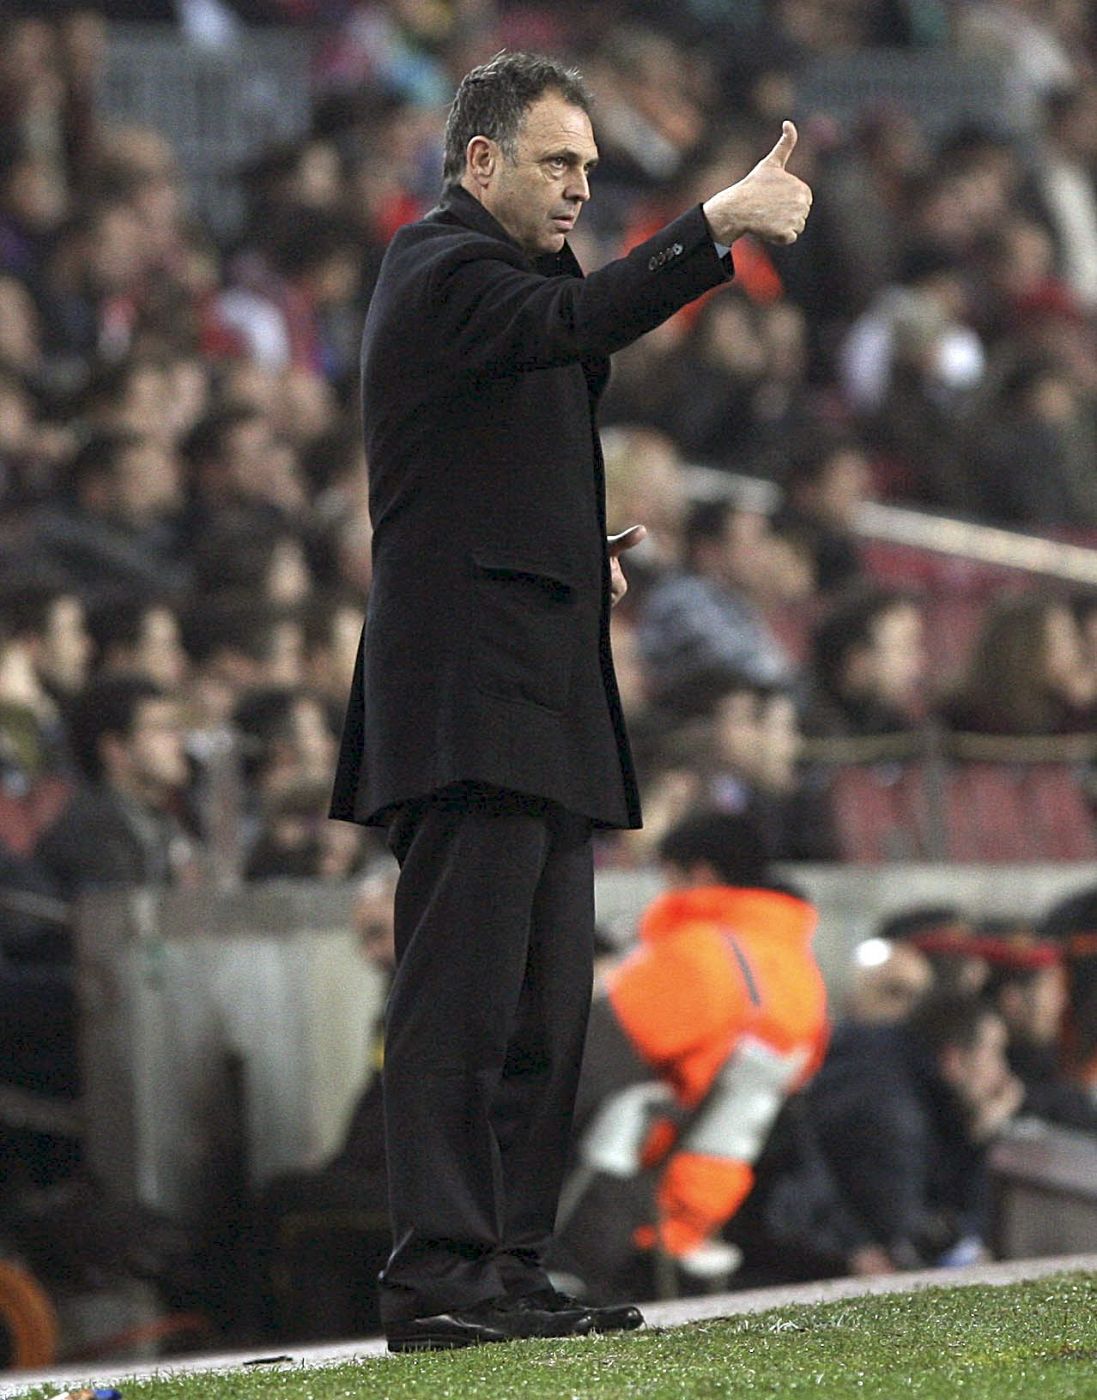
1036 1339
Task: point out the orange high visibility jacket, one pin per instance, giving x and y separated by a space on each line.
725 1001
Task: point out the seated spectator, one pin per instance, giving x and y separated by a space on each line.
235 461
287 299
287 739
118 527
908 364
1039 413
868 665
297 841
139 637
1072 923
238 644
708 620
252 555
122 827
44 654
756 745
902 1115
826 480
888 980
1028 673
947 937
704 1031
1027 986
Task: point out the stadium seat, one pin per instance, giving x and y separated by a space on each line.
1017 812
880 812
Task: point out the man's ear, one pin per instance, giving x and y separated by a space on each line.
481 158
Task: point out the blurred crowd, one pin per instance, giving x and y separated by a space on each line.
184 532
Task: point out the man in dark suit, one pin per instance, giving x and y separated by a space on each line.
484 727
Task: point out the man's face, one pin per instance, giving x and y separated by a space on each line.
894 661
978 1073
537 196
66 649
156 754
160 654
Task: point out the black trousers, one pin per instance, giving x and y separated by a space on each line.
484 1036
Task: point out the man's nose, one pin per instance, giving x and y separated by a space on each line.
578 186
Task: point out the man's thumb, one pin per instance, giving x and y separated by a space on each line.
784 148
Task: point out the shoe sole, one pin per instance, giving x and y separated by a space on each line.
440 1342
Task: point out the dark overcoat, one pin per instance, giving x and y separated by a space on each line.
485 655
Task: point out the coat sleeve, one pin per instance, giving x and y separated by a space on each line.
495 318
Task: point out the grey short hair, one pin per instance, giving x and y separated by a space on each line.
493 99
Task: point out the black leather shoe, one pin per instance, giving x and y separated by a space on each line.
617 1317
497 1320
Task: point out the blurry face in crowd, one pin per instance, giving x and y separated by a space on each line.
35 193
260 467
288 577
1033 1009
841 488
1065 664
891 667
888 979
740 558
537 197
151 762
286 663
626 661
731 337
781 742
116 252
19 342
736 730
147 483
978 1074
160 655
66 646
313 741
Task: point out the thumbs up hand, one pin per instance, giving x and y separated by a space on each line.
769 202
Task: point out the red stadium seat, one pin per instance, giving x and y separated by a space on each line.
1017 812
880 812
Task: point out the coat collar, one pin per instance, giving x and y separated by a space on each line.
458 204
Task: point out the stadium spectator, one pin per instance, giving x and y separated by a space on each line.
902 1115
1039 413
1027 672
139 636
825 480
253 555
722 1003
332 628
1064 183
236 461
707 620
118 526
868 656
123 826
236 645
1027 986
887 981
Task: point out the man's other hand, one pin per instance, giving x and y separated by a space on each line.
770 202
618 584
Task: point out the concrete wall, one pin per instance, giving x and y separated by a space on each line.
213 1018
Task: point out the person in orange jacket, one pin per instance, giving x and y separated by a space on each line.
723 1008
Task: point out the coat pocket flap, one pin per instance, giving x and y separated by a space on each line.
512 566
